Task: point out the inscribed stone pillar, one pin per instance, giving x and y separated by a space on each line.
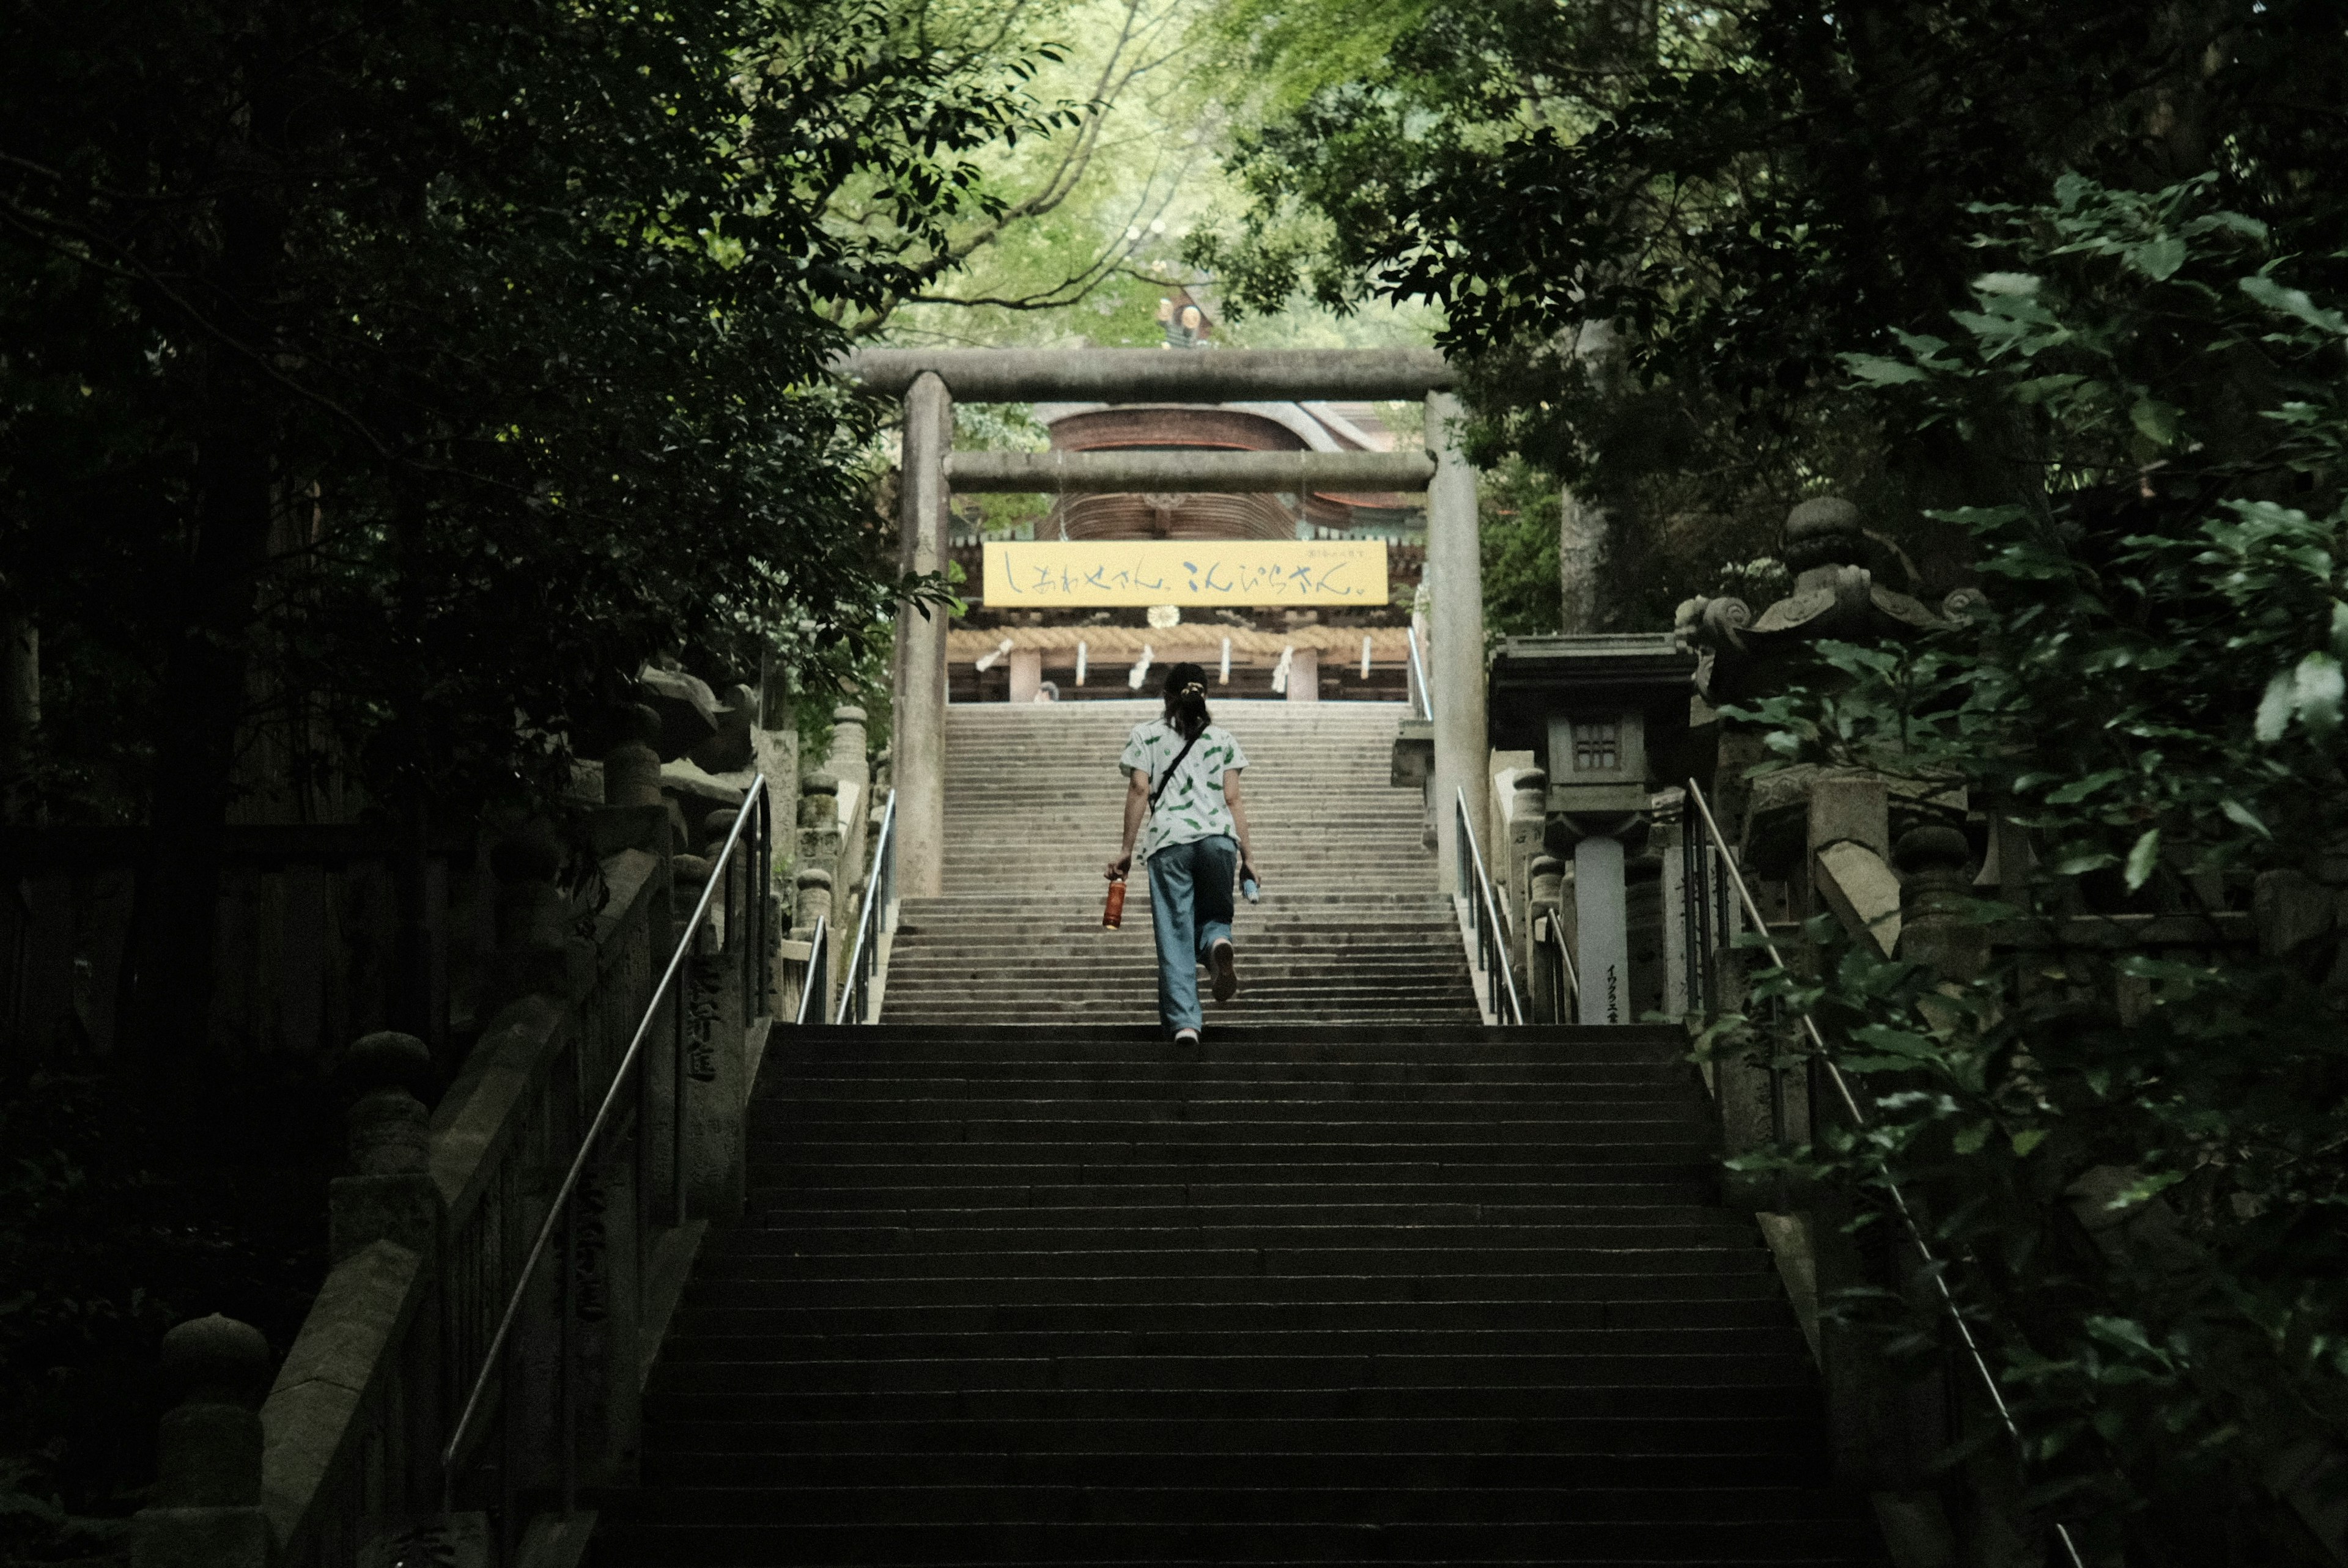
917 746
714 1063
1668 814
1305 675
1026 673
1602 918
1456 681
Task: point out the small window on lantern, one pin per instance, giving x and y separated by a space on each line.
1597 747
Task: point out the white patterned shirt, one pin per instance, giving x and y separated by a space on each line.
1191 806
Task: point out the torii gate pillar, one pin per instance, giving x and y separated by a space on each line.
1454 569
917 741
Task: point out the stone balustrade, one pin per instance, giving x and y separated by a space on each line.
431 1231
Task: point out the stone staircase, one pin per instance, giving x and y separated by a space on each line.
1441 1295
1351 928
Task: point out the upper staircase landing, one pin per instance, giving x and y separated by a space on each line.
1351 928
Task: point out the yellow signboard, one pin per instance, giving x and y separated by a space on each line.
1090 573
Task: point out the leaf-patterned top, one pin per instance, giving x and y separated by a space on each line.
1191 808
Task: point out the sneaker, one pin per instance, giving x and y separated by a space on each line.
1186 1037
1227 979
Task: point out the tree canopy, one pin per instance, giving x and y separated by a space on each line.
398 379
1745 192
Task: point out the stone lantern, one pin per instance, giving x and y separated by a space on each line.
1604 714
1746 658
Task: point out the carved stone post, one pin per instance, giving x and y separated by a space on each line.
632 770
819 826
532 956
205 1509
849 761
815 903
1936 871
1512 861
1545 903
849 764
389 1195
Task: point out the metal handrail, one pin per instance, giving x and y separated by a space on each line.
753 804
880 893
1491 922
818 963
1423 699
1859 1118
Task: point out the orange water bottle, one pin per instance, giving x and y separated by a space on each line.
1113 915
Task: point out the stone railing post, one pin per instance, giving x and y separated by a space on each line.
818 836
815 903
1936 883
1527 816
532 947
1545 901
850 764
632 770
389 1195
205 1509
848 759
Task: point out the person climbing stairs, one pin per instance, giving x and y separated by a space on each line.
1352 927
1356 1280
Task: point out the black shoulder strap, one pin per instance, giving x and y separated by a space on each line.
1172 765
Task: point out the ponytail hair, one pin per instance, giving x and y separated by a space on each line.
1186 701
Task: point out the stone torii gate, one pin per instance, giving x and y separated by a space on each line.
930 380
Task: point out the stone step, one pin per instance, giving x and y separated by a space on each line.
1402 1470
763 1342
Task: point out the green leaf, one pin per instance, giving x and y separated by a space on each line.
2159 259
1878 371
2237 812
2143 858
2295 302
2022 285
2156 421
2317 688
2086 860
2339 630
2029 1138
2274 709
2072 793
1971 1140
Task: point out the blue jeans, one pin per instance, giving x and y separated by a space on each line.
1190 912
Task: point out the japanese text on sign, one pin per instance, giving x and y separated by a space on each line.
1186 572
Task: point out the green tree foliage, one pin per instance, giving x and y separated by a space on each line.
2154 692
400 377
1749 191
